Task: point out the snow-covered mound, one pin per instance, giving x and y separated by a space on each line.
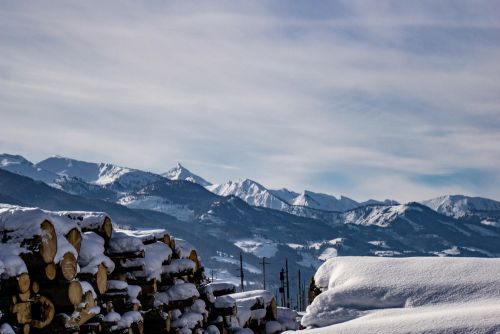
324 202
180 172
406 295
251 192
98 173
459 206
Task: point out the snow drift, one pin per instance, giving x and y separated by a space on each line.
410 295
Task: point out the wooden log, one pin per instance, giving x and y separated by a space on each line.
67 268
66 296
22 312
35 287
103 228
45 244
42 311
156 321
193 256
147 286
19 284
137 327
99 281
117 299
126 255
38 269
74 237
24 297
272 310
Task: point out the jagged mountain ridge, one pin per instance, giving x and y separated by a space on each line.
180 172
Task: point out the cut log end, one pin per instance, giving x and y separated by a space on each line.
50 271
107 228
43 312
68 266
75 293
48 246
74 237
35 287
24 282
102 278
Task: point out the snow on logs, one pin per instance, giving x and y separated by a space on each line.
72 272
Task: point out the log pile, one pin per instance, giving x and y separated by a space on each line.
73 272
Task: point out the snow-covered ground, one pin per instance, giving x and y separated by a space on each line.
259 247
406 295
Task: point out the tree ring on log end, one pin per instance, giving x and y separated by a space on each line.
23 282
68 266
75 292
50 271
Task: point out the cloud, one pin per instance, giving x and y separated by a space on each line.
343 97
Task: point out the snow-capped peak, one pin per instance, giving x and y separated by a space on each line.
324 202
251 192
458 206
180 172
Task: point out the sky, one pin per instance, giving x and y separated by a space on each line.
368 99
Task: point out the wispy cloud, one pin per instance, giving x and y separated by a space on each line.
351 97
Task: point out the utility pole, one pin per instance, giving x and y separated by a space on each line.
282 287
299 294
264 271
242 276
287 285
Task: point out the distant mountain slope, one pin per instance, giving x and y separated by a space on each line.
19 165
460 206
180 172
16 189
114 177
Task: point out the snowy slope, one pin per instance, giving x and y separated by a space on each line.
376 215
19 165
122 178
406 295
180 172
459 206
324 202
251 192
285 194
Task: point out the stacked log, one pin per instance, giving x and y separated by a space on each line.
72 272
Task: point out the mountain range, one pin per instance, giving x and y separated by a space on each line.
223 220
